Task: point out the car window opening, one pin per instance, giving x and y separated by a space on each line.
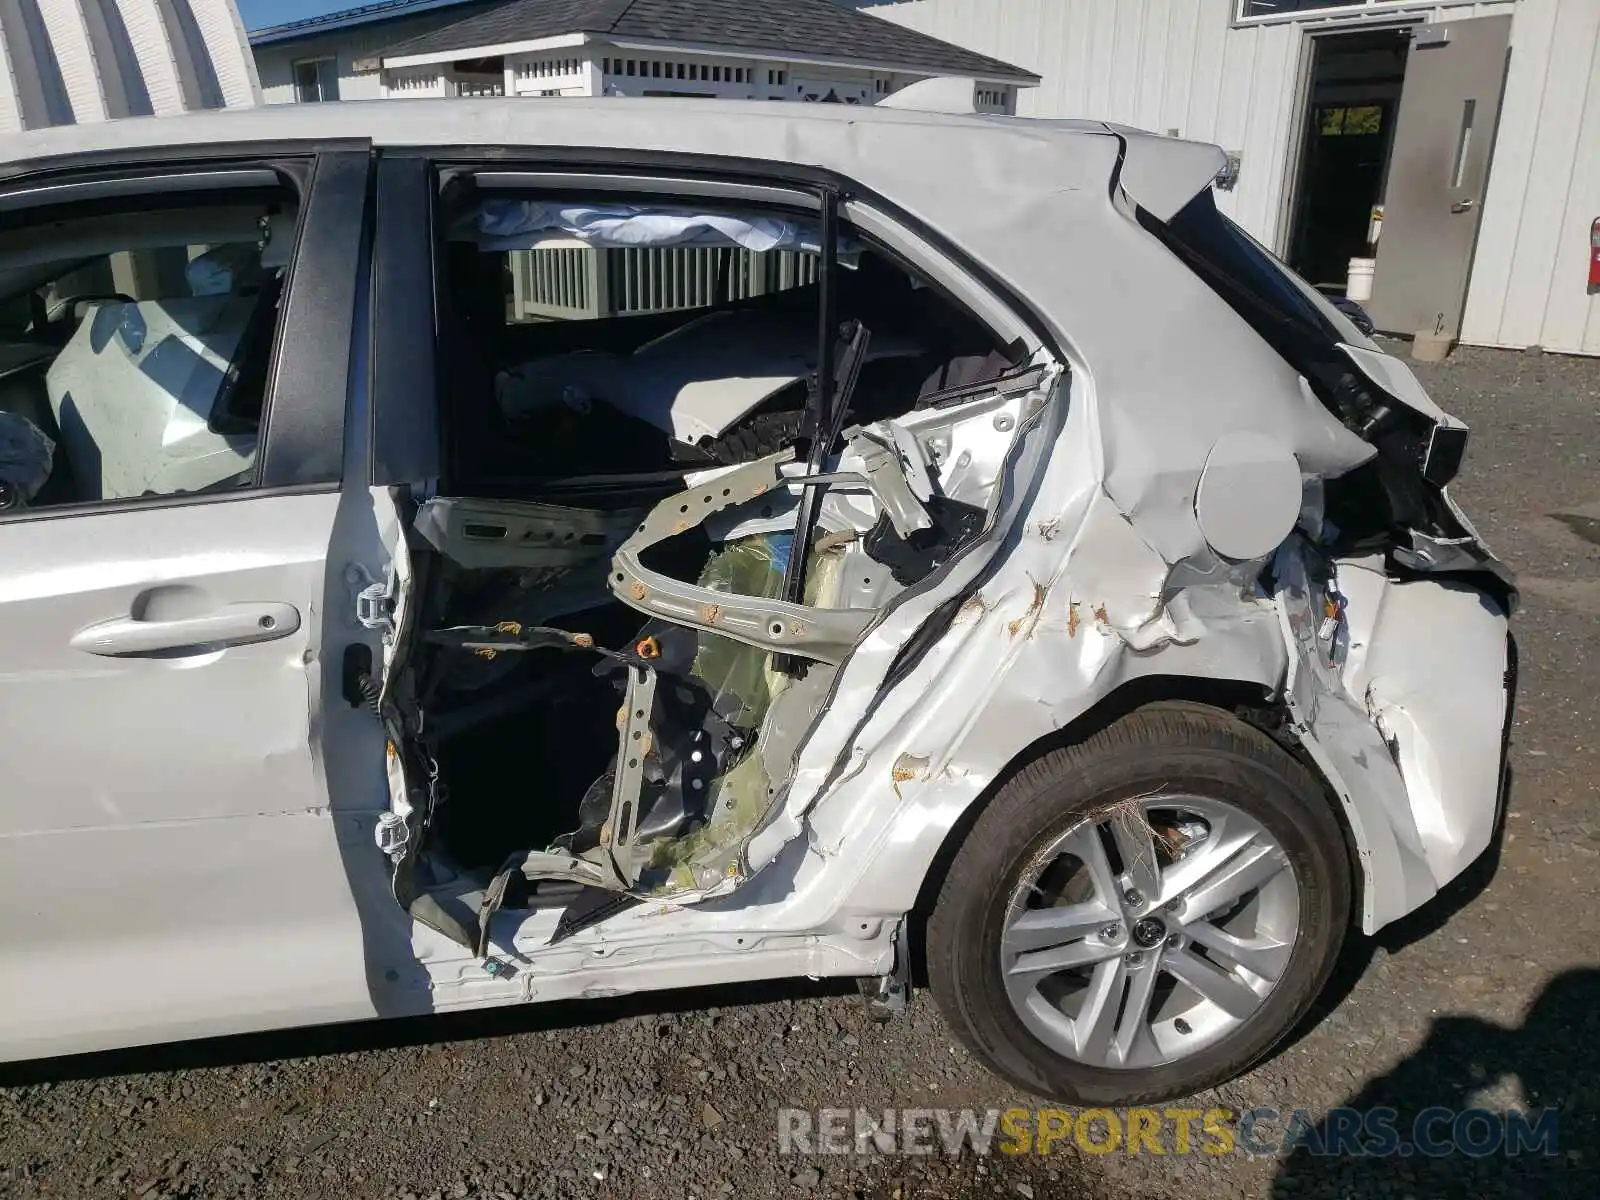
135 346
693 451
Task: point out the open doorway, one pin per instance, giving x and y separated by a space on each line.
1352 108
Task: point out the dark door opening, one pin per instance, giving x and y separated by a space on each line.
1351 111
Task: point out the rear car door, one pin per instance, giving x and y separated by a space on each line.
180 853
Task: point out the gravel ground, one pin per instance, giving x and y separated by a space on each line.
1490 996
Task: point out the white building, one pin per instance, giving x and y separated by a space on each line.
64 62
1333 105
746 49
335 56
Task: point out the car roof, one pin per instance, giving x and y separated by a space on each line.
1165 171
411 122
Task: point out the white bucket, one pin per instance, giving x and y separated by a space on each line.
1358 283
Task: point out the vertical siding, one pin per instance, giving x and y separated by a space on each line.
1529 275
1183 65
69 61
69 38
222 33
1155 64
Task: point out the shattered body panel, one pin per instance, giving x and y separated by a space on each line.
705 683
1162 457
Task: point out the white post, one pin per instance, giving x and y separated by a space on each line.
594 78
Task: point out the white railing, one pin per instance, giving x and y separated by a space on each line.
572 281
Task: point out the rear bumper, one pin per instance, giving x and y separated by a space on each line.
1436 680
1404 701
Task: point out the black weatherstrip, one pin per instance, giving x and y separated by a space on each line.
303 442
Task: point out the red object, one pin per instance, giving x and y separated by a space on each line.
1594 257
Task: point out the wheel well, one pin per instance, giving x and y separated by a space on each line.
1248 701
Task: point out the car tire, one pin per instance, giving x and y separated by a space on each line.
1186 749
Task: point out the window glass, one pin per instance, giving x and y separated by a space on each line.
134 349
316 79
1274 8
1341 121
1290 315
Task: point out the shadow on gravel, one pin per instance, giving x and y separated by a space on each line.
1552 1055
1360 951
398 1032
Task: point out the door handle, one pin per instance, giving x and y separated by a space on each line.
230 625
1461 206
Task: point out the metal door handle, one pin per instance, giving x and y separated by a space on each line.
1461 206
230 625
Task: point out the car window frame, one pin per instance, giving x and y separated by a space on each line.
300 444
409 440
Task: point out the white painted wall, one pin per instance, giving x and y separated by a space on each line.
70 61
1528 279
1186 65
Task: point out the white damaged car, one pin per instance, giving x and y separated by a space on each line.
471 553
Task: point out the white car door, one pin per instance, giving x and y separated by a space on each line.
186 799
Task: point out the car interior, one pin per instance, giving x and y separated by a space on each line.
681 358
135 346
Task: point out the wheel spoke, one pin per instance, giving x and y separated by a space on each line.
1136 1011
1262 956
1039 928
1027 970
1229 874
1227 835
1084 844
1223 989
1096 1022
1136 845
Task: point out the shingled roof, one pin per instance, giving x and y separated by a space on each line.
803 28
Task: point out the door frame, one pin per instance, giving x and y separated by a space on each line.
1300 106
301 441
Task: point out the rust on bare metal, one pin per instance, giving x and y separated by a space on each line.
1034 607
906 767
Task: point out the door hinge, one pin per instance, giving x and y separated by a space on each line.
375 600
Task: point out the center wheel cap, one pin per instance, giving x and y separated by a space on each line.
1148 932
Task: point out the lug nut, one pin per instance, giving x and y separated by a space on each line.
1182 1026
1173 906
1174 940
1112 932
1134 897
1134 959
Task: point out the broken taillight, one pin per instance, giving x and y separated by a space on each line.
1594 257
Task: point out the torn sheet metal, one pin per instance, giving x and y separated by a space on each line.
1430 666
1104 559
1347 747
